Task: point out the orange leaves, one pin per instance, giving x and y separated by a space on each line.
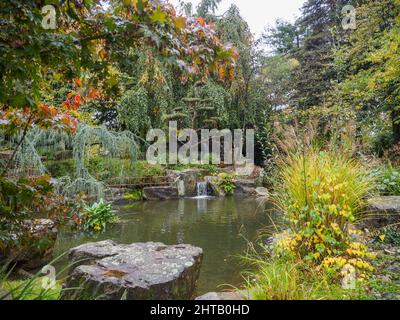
47 111
93 94
45 117
76 99
221 72
73 103
201 21
78 82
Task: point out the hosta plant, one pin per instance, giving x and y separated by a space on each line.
96 217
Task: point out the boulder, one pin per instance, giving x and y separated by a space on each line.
221 296
382 211
190 177
35 244
214 187
246 169
160 193
117 196
262 193
139 271
245 186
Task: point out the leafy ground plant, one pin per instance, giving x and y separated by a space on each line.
96 217
388 180
227 182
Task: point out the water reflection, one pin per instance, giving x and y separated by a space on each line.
219 226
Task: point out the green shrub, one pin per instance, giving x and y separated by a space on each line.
227 182
388 180
96 217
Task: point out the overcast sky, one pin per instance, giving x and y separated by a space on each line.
261 13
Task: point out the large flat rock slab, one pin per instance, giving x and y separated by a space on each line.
382 211
245 186
140 271
161 193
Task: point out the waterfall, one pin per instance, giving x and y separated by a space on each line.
202 189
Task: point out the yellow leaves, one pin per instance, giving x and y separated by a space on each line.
136 4
362 265
102 54
158 16
333 209
382 237
180 22
337 262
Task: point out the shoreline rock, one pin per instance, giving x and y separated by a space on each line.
160 193
139 271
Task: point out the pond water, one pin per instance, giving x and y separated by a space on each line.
221 226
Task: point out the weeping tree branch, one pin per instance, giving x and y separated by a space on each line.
19 144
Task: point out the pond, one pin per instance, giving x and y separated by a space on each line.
221 226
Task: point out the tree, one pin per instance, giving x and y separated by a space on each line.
369 63
207 8
283 38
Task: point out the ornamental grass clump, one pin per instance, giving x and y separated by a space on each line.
322 192
321 189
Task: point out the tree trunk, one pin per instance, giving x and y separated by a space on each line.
396 126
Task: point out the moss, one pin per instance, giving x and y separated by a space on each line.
134 195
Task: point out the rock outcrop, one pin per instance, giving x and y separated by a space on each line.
139 271
245 186
382 211
161 193
213 186
189 177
